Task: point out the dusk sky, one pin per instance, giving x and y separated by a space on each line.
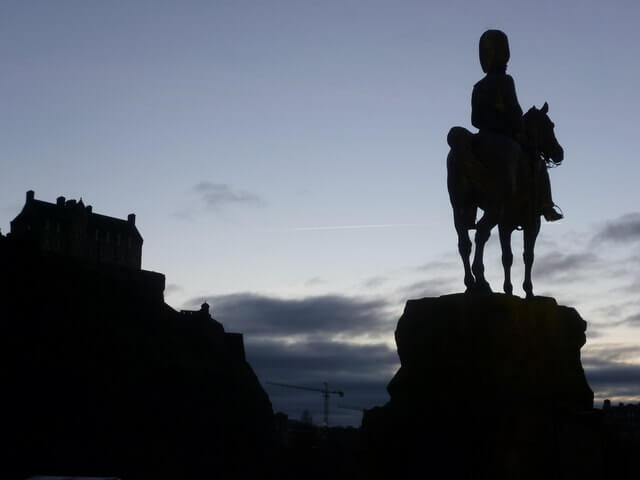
286 162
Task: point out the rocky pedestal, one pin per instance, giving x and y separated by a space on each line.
490 386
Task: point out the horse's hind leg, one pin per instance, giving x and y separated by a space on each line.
530 234
483 232
464 245
507 257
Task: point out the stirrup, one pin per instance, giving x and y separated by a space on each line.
551 214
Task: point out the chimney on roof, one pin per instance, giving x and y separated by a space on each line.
89 209
30 195
60 201
131 218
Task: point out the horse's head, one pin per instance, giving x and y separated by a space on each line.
539 131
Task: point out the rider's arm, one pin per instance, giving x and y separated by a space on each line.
476 109
512 104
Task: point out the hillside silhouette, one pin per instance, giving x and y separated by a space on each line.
101 376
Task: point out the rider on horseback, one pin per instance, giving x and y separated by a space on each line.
495 111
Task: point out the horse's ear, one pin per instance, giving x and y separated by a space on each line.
545 108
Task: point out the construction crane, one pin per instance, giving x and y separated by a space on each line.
325 395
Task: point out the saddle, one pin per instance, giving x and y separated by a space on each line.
466 148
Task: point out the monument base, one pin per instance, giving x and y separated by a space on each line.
490 386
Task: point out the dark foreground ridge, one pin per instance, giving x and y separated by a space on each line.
100 376
490 386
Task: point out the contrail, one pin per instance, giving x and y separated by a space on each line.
356 227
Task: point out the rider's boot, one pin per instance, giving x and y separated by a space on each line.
550 213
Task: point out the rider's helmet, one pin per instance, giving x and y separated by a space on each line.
494 51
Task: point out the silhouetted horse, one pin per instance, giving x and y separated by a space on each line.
504 184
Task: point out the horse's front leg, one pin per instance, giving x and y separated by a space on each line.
530 233
464 246
507 256
483 232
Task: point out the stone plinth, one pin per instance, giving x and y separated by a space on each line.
490 386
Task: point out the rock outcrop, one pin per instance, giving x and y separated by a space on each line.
101 377
490 386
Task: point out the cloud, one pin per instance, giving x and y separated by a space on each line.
347 342
612 371
217 195
615 381
314 340
558 265
633 320
314 281
430 288
607 354
355 227
374 282
319 361
632 287
183 214
362 372
172 288
313 317
593 333
439 265
622 230
616 317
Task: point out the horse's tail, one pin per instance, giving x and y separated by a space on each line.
465 170
459 137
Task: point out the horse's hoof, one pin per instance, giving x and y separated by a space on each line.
530 296
480 288
470 283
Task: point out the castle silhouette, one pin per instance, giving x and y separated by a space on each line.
100 376
68 227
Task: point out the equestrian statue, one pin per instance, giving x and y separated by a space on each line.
502 169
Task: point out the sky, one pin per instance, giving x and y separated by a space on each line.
286 163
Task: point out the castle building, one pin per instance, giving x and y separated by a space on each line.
70 228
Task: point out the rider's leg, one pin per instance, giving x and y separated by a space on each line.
547 207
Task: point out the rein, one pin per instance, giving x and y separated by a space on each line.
532 149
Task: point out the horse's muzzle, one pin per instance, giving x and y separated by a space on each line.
558 155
